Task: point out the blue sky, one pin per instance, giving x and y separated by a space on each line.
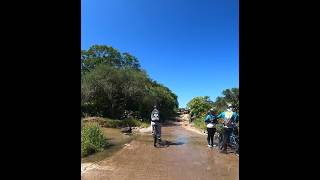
190 46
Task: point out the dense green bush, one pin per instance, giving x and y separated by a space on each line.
113 83
200 105
199 122
92 139
219 128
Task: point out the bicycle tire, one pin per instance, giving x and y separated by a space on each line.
220 141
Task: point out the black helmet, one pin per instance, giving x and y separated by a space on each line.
212 110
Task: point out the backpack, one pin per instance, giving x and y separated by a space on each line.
228 117
155 115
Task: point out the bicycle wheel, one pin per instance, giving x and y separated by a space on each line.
237 145
220 142
216 138
234 144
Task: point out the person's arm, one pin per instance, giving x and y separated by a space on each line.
215 119
236 117
207 118
219 116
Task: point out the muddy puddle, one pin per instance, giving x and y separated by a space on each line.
186 156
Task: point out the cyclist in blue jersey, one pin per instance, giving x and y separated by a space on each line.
211 121
230 118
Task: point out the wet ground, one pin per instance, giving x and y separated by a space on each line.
183 155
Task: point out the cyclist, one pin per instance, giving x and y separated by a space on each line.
230 117
155 123
210 121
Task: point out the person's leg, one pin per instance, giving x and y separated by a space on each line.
208 138
212 136
159 132
229 134
156 134
225 139
152 128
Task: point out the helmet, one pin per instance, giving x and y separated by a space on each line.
230 107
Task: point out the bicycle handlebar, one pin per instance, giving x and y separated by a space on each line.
234 125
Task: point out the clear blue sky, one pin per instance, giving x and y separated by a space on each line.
190 46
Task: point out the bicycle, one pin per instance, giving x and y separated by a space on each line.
233 140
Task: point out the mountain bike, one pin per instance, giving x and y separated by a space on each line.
233 141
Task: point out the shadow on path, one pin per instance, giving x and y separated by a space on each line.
166 143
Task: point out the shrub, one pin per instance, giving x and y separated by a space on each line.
199 123
92 139
219 128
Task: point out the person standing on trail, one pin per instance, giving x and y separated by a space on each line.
230 117
210 121
155 124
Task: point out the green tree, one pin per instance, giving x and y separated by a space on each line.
109 89
200 105
229 96
129 61
101 54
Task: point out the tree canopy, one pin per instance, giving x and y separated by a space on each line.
113 83
201 105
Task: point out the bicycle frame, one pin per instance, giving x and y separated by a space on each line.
233 141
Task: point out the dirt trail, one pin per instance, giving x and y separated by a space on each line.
184 155
184 121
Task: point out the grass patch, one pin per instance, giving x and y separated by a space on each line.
113 123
